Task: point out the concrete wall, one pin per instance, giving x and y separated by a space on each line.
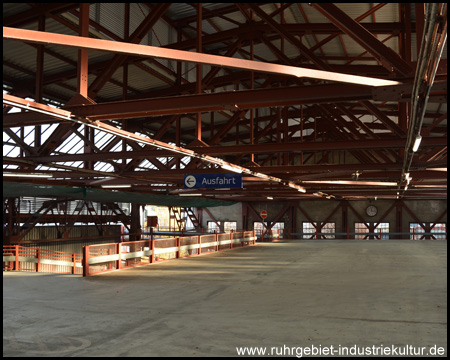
318 210
224 213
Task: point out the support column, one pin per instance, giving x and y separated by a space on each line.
199 70
252 111
126 35
135 228
344 218
398 218
82 70
39 80
244 217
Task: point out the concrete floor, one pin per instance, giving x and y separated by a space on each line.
292 294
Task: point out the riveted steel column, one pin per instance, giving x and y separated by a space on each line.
199 69
82 70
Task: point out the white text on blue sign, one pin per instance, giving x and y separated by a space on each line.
212 181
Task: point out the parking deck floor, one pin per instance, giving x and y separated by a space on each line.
282 294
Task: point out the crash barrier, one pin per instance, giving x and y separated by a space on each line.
269 235
378 234
21 258
108 257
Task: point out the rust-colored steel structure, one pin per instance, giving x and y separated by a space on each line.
299 98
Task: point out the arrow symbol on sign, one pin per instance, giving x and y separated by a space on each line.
190 181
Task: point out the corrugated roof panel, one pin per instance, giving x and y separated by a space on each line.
110 90
138 12
109 15
139 79
180 11
10 9
223 24
161 35
19 54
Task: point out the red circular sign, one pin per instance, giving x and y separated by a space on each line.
264 214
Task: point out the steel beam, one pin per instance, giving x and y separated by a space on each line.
318 146
383 118
179 55
234 100
386 55
269 148
291 38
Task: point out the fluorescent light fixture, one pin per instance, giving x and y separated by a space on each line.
116 186
350 182
297 187
191 194
231 168
34 175
270 198
437 169
417 143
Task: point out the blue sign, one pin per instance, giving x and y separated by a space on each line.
213 181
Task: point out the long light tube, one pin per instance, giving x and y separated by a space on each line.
34 175
231 168
417 143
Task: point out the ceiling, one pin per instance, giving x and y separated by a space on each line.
304 100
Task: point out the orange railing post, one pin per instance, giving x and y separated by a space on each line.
16 263
152 242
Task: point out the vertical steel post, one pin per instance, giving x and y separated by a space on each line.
119 253
82 69
85 260
74 261
199 70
